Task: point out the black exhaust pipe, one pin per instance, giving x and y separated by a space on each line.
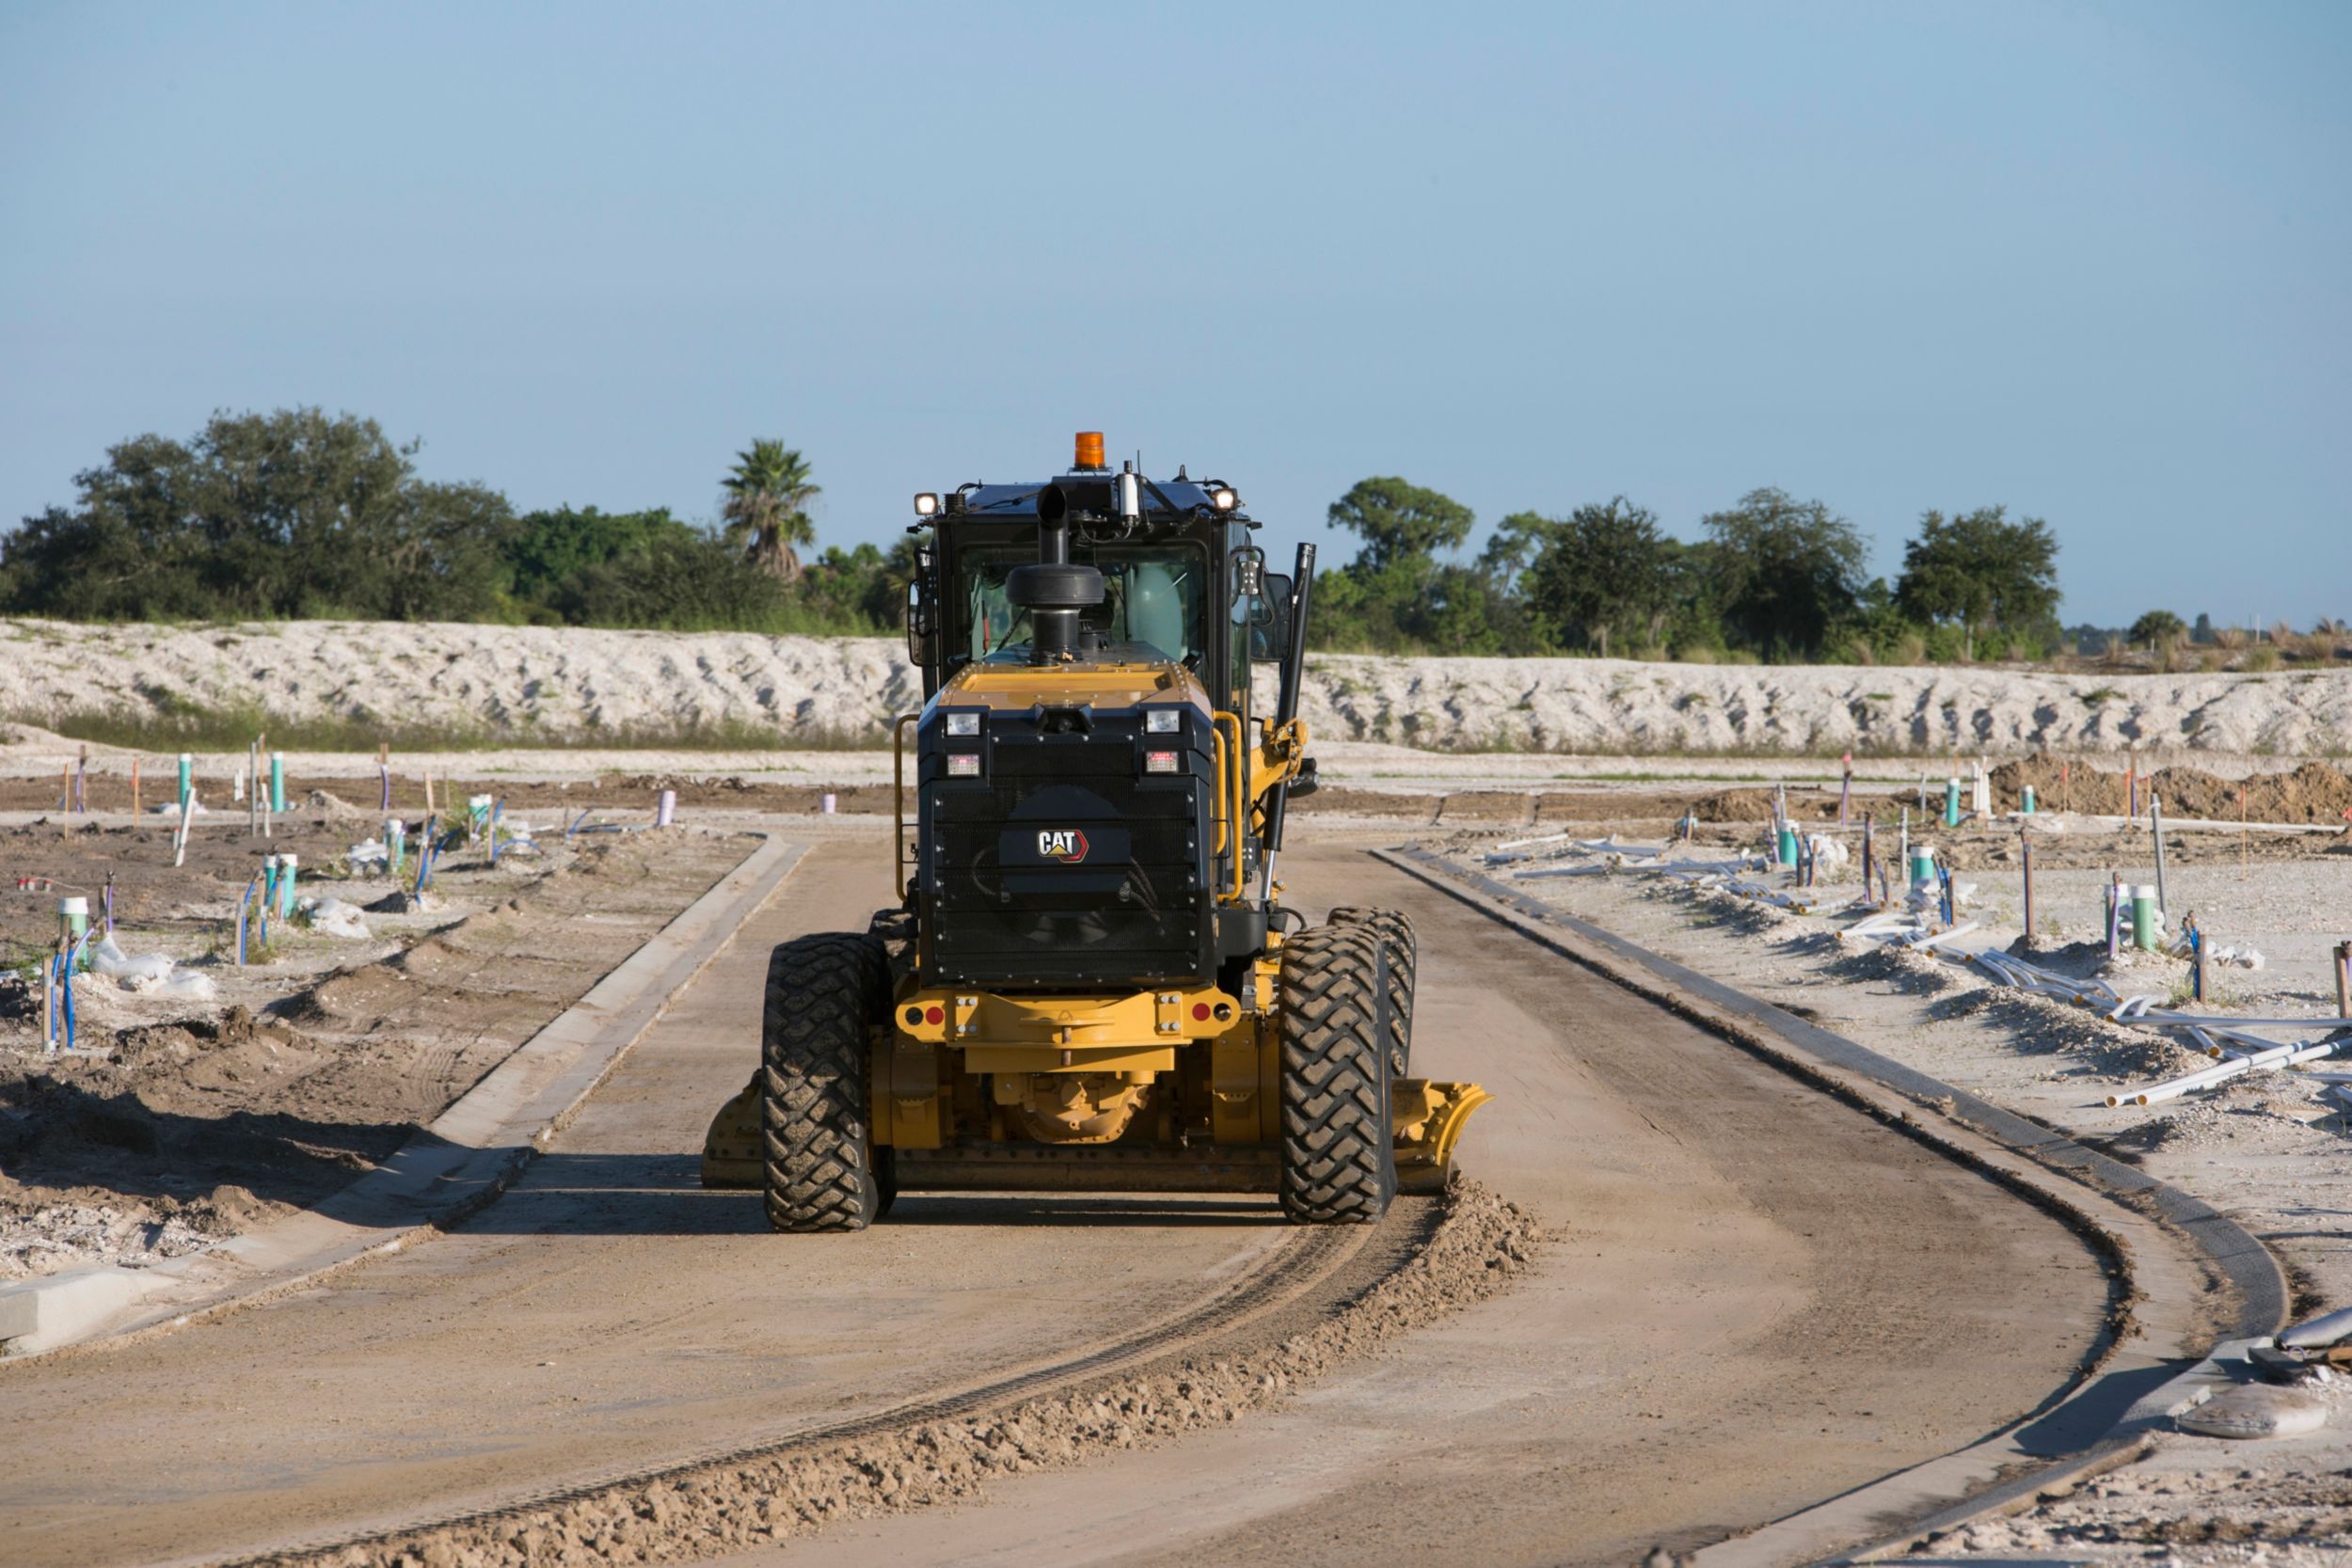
1051 589
1286 698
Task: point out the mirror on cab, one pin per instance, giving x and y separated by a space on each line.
922 626
1270 619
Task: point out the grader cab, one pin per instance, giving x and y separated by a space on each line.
1092 983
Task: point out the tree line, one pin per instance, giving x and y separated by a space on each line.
295 515
1773 578
298 514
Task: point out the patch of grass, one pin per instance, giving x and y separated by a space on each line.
2100 694
173 724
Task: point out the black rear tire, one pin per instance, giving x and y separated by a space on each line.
1338 1164
1403 957
821 1168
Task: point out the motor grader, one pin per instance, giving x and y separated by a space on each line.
1092 982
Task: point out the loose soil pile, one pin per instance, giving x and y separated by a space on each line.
177 1122
2314 792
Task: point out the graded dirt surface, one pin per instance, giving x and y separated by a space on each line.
1750 1298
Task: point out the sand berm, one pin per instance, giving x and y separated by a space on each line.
570 684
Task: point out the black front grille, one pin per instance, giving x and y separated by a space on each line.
1063 866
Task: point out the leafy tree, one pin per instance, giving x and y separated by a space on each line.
2158 629
1514 546
1606 569
1788 572
547 552
1982 573
1399 522
766 507
291 513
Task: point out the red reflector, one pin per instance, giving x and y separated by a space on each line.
934 1015
1200 1011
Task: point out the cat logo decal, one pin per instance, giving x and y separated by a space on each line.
1066 845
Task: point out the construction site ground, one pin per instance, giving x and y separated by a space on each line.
1747 1297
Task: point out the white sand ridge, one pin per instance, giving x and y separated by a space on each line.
569 683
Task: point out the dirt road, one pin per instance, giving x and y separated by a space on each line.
1756 1299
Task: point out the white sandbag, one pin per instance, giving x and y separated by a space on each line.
2256 1410
2332 1329
335 918
186 985
113 962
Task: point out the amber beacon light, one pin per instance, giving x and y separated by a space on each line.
1090 451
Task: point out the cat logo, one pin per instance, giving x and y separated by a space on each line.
1066 845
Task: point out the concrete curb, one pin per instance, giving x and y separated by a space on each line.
1835 1062
469 1155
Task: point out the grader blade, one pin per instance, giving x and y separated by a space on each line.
1428 1117
731 1154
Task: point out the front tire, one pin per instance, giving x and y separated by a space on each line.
1395 930
1339 1161
821 1170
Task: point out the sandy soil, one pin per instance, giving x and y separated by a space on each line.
570 682
176 1123
2266 1148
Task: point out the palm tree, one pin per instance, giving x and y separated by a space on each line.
767 507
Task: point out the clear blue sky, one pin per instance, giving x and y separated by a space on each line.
2091 261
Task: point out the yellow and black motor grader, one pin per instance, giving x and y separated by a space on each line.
1092 983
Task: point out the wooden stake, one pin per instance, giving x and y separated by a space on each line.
134 787
2344 979
2024 850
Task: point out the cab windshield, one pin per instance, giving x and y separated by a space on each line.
1153 596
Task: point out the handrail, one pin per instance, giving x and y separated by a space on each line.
898 794
1239 806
